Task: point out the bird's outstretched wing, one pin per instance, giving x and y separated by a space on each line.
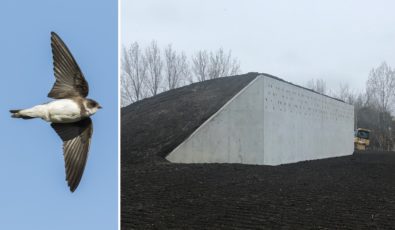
70 81
76 139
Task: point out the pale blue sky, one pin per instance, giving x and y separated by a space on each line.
34 193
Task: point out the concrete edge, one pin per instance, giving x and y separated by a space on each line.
214 115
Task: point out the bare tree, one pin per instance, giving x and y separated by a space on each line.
126 94
184 69
126 89
219 63
381 86
133 74
351 97
222 64
380 95
200 65
177 68
147 73
154 66
345 93
235 67
317 85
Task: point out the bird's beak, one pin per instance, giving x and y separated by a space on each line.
100 107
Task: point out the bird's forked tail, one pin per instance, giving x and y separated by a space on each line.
16 113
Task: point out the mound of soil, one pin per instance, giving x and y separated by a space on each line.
353 192
347 192
153 127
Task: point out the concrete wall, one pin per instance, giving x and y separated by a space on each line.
271 122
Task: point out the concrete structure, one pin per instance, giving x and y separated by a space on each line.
271 122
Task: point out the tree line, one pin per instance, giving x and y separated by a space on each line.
372 106
147 71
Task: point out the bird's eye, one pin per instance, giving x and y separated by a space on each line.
93 104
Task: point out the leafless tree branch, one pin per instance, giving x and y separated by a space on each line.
154 68
133 74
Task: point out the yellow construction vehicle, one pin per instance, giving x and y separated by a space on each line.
361 139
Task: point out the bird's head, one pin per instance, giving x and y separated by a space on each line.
91 106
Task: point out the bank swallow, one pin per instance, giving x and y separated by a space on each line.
69 113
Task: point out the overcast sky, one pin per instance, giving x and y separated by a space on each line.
338 41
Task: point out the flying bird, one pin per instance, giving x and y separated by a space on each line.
69 113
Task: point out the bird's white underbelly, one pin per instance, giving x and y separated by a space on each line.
63 111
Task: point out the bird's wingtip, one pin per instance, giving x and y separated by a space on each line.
72 189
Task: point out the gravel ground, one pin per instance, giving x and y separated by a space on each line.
353 192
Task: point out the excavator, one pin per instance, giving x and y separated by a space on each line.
361 139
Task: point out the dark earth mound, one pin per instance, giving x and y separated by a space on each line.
353 192
153 127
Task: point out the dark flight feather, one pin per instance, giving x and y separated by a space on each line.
70 81
76 141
